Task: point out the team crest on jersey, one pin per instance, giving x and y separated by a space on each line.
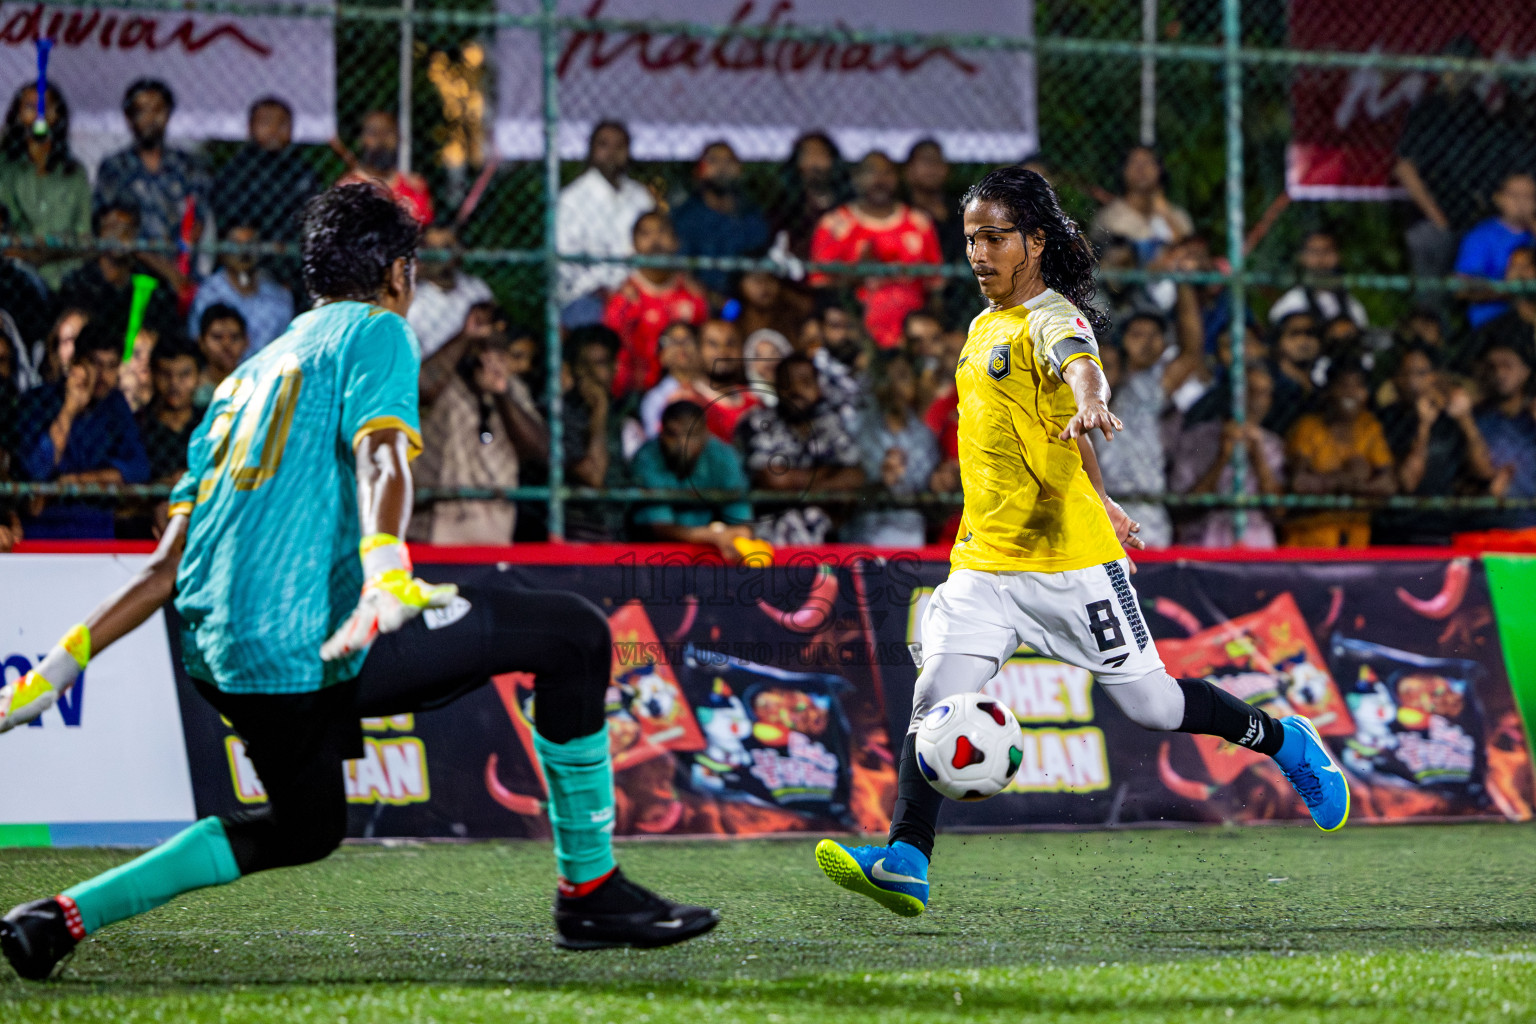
999 362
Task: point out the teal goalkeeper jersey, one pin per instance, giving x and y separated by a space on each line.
270 567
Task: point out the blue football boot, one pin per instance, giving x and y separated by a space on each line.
1314 773
895 876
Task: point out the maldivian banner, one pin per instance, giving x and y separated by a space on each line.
678 92
1346 123
216 64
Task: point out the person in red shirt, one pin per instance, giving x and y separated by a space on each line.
728 396
875 228
378 162
647 302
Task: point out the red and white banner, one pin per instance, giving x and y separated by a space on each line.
216 64
1346 123
679 92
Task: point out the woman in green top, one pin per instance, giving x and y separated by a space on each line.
45 189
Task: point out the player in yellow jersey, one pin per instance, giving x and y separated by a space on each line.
1039 560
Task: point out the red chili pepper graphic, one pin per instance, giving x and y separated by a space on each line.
816 611
1457 575
1180 786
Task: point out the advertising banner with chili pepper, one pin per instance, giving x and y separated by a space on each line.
753 701
741 702
1398 664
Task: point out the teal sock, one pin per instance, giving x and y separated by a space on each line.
193 858
580 778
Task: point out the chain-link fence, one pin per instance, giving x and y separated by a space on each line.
1313 221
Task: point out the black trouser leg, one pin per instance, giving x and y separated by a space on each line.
916 814
297 743
559 637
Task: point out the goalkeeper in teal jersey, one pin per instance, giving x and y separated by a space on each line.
301 614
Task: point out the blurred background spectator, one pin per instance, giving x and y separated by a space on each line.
684 456
1439 450
103 286
43 188
266 183
444 293
1443 160
1142 215
222 338
168 187
649 300
1485 250
717 219
799 445
1506 422
677 350
1338 450
80 431
378 160
482 429
1319 293
900 455
242 284
876 228
1202 464
596 215
812 181
723 386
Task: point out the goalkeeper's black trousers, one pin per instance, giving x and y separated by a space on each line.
297 742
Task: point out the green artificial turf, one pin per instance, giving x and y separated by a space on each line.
1421 924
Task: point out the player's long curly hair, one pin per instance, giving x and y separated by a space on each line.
352 234
1068 261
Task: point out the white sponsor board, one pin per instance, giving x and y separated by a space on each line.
216 64
113 750
679 92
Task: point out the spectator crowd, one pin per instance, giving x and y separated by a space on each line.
832 391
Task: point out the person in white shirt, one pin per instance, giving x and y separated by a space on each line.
444 293
595 216
678 351
1144 217
1319 264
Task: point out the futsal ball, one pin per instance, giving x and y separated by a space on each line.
969 747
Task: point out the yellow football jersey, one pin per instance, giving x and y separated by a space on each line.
1029 504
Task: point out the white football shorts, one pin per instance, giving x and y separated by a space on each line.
1089 618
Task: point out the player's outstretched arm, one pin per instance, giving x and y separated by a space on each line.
392 596
1091 391
1126 528
113 619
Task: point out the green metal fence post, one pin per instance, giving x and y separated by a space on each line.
549 50
1232 42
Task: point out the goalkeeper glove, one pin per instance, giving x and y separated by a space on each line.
39 689
391 597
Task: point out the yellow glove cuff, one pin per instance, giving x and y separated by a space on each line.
77 642
383 553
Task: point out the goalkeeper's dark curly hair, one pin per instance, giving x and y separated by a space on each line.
352 234
1068 261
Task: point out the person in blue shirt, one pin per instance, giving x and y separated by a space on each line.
686 457
1485 250
1508 427
297 491
718 219
80 430
264 303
